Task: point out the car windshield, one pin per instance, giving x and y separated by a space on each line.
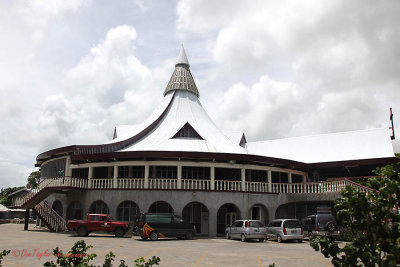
291 224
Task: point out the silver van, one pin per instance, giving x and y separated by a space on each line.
285 229
246 229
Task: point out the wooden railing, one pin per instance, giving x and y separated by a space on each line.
50 217
196 184
155 183
222 185
130 183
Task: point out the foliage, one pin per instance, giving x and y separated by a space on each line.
78 257
33 178
3 254
372 221
4 195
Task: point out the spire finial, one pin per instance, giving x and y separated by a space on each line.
182 58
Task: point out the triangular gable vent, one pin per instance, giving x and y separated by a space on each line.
187 131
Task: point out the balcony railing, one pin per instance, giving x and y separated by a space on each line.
188 184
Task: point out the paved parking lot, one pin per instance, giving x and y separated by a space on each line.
199 252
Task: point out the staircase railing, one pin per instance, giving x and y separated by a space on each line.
50 217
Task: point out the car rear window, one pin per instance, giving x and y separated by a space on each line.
325 218
158 218
291 224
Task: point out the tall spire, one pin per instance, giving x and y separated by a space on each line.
182 58
182 78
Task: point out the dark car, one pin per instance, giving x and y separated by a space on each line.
320 224
155 225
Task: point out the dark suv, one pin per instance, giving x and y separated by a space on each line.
320 224
155 225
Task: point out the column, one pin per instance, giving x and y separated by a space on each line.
179 176
269 180
146 176
26 219
90 177
304 178
68 172
243 175
289 182
115 176
212 176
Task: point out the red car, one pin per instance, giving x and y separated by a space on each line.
98 223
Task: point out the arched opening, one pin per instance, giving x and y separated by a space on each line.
197 213
161 207
127 210
57 207
300 210
75 211
227 214
99 207
259 212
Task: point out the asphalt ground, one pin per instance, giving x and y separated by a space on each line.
172 252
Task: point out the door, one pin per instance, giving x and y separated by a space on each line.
256 213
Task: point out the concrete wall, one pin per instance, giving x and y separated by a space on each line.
179 199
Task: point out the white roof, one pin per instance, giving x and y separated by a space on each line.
354 145
185 108
234 136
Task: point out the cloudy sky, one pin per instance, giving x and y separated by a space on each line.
72 70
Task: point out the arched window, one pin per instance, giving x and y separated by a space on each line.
57 207
99 207
74 211
127 210
161 207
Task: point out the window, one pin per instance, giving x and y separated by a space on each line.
187 131
99 207
94 218
256 224
127 211
158 218
195 172
123 171
256 176
291 224
178 219
163 172
238 224
80 173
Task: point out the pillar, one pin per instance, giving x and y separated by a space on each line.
212 220
90 177
26 219
290 182
115 176
243 175
179 176
146 176
68 171
304 178
269 180
212 186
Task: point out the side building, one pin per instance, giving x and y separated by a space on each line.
178 161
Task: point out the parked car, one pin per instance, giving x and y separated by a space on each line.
285 229
246 229
98 222
321 224
155 225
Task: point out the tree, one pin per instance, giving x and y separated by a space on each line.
33 178
373 220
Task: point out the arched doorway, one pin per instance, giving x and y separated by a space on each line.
74 211
99 207
57 207
227 214
127 210
197 213
259 212
161 207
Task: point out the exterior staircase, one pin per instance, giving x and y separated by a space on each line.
33 199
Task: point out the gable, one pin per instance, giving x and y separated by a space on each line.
187 131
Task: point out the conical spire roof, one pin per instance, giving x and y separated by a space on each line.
182 78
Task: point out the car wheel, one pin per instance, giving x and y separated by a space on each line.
243 238
300 240
189 235
279 239
144 238
82 231
261 240
330 226
154 236
119 232
227 235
